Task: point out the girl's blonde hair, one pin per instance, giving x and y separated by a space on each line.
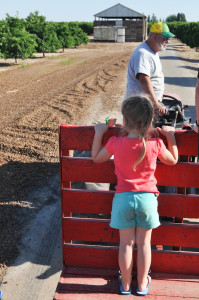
138 113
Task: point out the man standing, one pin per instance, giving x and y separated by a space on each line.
145 70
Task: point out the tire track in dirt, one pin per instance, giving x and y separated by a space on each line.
63 108
36 92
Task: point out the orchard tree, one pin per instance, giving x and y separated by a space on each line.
3 30
64 35
49 41
46 36
35 24
16 42
78 35
87 27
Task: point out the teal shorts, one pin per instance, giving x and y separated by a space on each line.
131 209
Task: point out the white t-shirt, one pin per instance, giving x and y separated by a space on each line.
146 61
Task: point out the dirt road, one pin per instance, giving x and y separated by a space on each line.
81 86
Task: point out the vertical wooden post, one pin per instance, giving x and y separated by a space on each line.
180 190
62 153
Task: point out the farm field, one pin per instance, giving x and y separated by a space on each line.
79 86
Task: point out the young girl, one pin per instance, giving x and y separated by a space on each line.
134 208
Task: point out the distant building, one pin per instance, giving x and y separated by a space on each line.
120 24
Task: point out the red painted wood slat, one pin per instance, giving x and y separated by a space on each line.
168 234
180 175
81 137
104 257
85 170
182 206
87 201
100 202
101 257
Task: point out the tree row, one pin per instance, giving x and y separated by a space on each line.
21 38
187 32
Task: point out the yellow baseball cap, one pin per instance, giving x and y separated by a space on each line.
162 28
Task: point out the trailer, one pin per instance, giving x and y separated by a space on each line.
90 246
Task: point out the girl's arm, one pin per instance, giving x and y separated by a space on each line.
99 154
170 155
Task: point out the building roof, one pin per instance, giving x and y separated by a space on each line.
119 11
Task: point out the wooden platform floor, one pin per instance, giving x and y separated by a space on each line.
77 283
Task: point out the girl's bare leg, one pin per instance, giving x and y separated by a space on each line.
127 242
143 242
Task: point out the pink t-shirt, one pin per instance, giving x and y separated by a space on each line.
126 152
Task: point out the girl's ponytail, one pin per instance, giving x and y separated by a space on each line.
141 156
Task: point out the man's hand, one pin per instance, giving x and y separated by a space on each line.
161 109
147 87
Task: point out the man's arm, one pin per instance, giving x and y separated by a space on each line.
147 87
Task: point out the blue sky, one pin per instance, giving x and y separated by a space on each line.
84 10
